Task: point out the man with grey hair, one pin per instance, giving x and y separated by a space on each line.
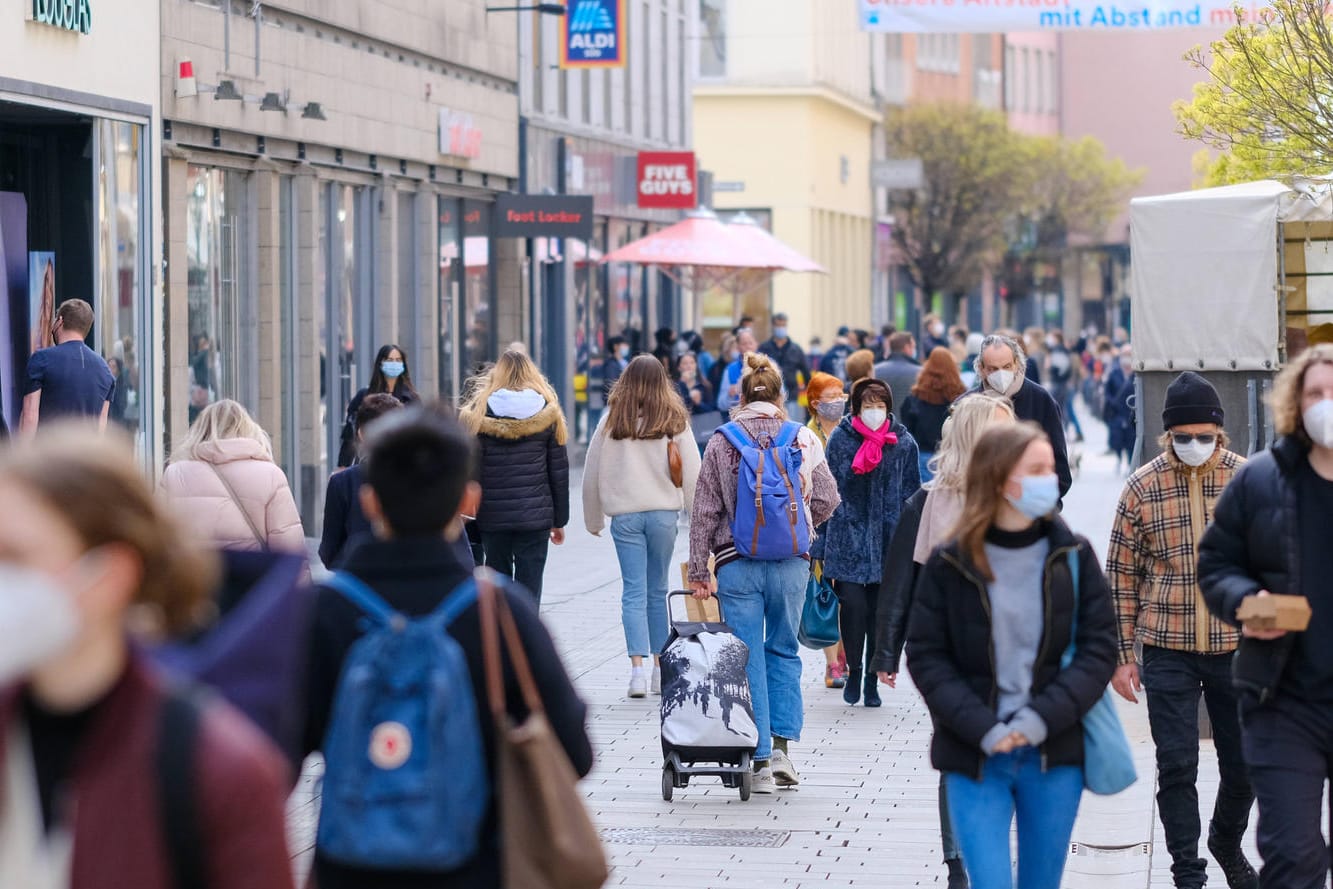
1000 368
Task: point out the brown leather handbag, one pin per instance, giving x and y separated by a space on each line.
547 840
674 464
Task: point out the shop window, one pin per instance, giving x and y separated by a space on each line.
713 38
467 326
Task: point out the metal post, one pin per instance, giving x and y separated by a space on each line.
556 354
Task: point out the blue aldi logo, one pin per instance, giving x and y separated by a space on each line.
593 34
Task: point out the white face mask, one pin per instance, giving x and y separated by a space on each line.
874 417
1000 380
1318 419
38 621
1195 453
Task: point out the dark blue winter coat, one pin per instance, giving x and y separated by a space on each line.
1118 412
853 545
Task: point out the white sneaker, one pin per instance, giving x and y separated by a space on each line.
638 682
784 773
763 781
655 685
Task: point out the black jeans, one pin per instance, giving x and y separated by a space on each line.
1289 749
857 604
1173 681
518 554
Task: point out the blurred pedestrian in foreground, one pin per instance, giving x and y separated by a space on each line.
517 419
94 744
227 490
1186 652
993 616
67 379
926 406
419 467
873 460
629 477
1270 535
828 405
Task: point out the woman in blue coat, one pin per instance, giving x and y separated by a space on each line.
1118 412
873 458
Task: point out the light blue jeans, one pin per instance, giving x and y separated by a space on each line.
757 599
644 544
982 812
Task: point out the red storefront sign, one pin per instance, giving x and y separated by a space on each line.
666 180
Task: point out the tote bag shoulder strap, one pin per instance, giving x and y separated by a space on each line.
245 513
1072 558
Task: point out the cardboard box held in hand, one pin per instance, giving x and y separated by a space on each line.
1291 613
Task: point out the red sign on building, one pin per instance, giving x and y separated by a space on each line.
667 180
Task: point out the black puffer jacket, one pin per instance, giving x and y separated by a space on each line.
897 588
951 656
524 473
1254 544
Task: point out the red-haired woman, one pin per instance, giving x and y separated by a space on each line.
925 410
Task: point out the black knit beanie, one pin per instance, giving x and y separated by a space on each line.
1191 399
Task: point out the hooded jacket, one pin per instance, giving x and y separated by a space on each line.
211 515
524 464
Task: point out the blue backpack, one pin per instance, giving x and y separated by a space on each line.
405 780
770 522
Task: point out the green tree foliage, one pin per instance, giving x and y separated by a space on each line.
1075 189
1267 105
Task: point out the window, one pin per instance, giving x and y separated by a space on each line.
664 87
712 38
1010 78
646 69
1027 80
1054 93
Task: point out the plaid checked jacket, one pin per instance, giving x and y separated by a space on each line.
1152 561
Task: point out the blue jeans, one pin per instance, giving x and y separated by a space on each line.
923 459
982 811
756 599
644 544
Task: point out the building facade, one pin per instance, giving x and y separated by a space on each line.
80 200
329 173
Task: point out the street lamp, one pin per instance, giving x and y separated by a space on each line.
542 8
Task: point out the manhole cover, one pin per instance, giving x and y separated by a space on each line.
657 836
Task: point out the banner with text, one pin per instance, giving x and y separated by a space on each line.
592 34
667 180
997 16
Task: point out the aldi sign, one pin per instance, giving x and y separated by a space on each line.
666 180
592 34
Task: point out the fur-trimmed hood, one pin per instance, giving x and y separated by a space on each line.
513 429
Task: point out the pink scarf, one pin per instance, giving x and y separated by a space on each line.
871 452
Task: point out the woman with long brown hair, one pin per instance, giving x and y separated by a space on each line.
643 440
924 411
995 612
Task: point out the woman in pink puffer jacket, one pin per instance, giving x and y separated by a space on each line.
227 490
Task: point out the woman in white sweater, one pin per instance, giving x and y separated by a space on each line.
641 469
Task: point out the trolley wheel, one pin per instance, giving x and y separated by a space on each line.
668 782
747 777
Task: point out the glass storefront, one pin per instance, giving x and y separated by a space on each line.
467 324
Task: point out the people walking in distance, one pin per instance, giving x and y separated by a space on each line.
1118 409
828 405
419 467
67 379
860 366
1063 370
617 359
995 611
693 387
1000 369
84 716
834 361
874 461
1034 346
790 360
226 488
941 502
517 419
729 392
390 376
641 470
759 595
934 332
927 404
900 369
1162 513
1270 535
727 352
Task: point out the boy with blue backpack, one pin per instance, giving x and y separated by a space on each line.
763 487
398 700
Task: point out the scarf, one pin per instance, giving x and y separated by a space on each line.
871 452
939 517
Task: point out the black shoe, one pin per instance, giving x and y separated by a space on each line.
1235 867
872 691
957 874
851 692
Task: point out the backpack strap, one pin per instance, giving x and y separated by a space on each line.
362 596
736 434
1068 657
178 735
454 604
787 435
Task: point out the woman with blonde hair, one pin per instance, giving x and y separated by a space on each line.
524 467
228 491
84 715
641 470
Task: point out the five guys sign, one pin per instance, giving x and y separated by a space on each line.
667 180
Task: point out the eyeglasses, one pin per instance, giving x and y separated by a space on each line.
1184 438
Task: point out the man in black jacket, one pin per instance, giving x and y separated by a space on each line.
418 469
1000 367
790 359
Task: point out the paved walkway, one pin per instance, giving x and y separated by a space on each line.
865 813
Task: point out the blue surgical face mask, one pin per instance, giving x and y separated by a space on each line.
392 369
1040 495
779 333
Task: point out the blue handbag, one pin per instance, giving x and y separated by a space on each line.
1108 763
819 616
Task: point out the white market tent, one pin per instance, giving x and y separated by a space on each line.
1209 272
